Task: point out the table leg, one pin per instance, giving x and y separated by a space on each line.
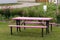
47 29
18 23
42 32
24 24
11 30
51 27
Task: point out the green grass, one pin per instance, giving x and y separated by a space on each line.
27 34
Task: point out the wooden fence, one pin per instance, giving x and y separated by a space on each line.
41 0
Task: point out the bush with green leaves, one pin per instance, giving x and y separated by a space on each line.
5 12
58 14
39 12
36 11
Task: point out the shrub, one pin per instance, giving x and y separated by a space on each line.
36 11
5 12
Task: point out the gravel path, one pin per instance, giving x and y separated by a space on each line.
21 5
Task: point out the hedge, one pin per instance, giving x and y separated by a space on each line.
36 11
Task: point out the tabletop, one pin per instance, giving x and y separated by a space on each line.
31 18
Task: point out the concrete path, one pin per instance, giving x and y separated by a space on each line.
21 5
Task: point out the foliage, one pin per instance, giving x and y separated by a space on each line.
36 11
59 7
58 14
58 18
51 11
5 12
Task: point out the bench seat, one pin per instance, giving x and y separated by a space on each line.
32 22
52 23
43 23
22 26
27 26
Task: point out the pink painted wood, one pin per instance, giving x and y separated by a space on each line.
22 26
31 18
33 22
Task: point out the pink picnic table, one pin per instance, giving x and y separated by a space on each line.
34 18
31 18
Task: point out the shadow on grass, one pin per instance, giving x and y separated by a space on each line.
28 34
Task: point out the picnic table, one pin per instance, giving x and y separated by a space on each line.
18 20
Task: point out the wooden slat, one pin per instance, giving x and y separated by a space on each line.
27 26
41 0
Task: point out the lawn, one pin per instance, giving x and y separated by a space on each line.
27 34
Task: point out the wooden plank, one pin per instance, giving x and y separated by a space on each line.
31 18
41 0
27 26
